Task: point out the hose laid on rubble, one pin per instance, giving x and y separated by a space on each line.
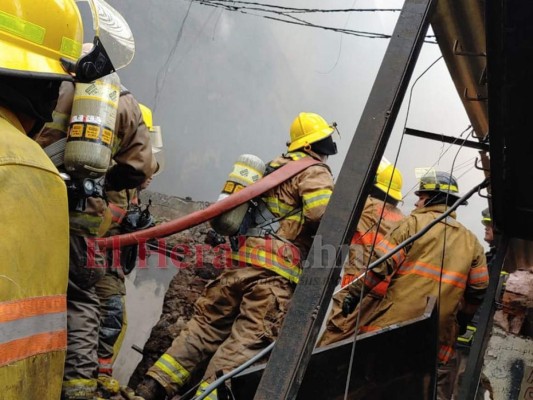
421 233
248 193
234 372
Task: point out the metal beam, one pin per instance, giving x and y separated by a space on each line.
447 139
484 327
286 368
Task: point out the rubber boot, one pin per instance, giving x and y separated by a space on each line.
150 389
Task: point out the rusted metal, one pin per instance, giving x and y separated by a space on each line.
288 363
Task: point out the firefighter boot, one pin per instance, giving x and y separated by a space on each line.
150 389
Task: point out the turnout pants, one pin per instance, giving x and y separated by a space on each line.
238 315
83 320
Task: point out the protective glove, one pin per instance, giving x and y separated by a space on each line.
348 304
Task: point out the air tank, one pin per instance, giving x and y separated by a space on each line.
246 170
92 127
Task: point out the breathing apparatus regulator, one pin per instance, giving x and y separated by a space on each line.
247 169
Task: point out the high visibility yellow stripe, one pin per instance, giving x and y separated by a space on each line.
297 155
430 186
85 383
269 261
317 198
70 47
173 369
21 28
201 389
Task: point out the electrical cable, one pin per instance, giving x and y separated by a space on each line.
352 354
286 11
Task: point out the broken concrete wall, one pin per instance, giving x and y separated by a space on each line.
509 366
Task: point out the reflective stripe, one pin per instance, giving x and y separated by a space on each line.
201 389
173 369
442 187
25 327
30 346
347 279
13 310
434 272
369 328
296 155
32 326
478 275
381 288
276 206
317 198
367 239
385 247
105 366
445 353
269 261
371 279
117 213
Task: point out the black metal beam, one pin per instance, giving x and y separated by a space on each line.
447 139
286 368
484 327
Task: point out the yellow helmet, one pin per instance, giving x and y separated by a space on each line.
36 34
155 138
147 116
308 128
389 180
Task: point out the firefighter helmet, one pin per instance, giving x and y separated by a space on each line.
439 182
308 128
389 180
36 35
485 217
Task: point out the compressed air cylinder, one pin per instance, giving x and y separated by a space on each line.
246 170
92 127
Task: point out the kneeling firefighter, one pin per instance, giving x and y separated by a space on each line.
128 142
242 310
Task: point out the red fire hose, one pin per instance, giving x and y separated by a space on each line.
177 225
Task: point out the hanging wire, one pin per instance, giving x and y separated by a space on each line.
374 242
284 14
163 71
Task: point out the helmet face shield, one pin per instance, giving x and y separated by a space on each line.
113 42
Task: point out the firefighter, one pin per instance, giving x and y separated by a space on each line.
451 268
132 157
379 216
465 340
241 311
33 211
127 216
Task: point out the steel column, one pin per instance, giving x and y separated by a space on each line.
484 326
285 370
447 139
